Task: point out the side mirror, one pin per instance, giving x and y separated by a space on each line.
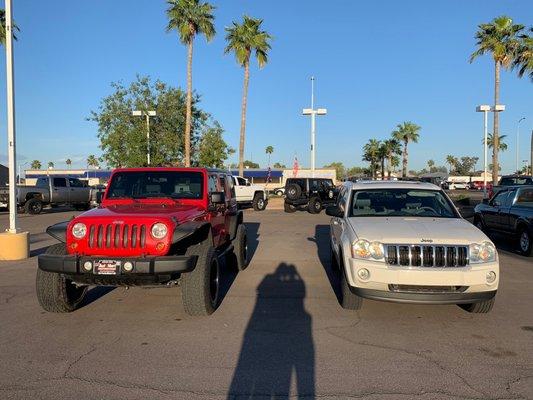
248 184
334 211
217 198
99 196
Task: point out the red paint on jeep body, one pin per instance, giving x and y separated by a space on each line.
123 226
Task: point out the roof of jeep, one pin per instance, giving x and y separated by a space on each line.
391 185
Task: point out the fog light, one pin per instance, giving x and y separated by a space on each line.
490 277
87 265
128 266
74 246
363 274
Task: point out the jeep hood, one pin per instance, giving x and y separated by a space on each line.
180 212
414 230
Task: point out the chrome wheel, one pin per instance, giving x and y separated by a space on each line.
524 241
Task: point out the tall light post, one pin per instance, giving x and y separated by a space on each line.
313 113
147 115
518 142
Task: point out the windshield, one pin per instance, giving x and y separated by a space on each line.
401 203
146 184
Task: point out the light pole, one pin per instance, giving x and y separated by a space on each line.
485 110
19 175
147 115
313 113
518 141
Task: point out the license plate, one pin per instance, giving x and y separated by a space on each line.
106 267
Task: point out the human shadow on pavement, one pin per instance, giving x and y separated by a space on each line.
321 239
278 343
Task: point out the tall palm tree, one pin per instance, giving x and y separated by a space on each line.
50 165
393 149
371 154
35 164
3 27
92 161
269 150
502 146
524 59
501 39
451 161
382 156
243 39
68 162
406 132
189 18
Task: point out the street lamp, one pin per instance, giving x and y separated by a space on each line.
518 141
147 115
313 113
485 110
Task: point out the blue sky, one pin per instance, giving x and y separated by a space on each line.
376 63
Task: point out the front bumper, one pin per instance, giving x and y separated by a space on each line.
424 298
146 270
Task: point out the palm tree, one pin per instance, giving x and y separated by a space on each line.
501 39
371 154
35 164
406 132
383 153
393 148
50 165
451 161
92 161
68 162
243 39
269 150
524 59
502 146
3 27
189 18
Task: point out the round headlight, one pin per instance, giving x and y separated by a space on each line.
159 230
484 252
79 230
376 250
361 249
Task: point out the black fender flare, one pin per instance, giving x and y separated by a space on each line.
189 228
58 231
234 223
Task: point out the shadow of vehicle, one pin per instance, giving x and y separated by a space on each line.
278 343
252 231
321 239
96 293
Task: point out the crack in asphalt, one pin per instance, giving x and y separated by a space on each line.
85 354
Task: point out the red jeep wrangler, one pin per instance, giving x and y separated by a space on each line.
155 226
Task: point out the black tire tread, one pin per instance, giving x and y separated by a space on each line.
238 243
529 252
482 307
28 206
312 204
255 202
350 301
288 208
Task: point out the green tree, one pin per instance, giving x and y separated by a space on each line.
451 161
189 18
244 39
68 161
406 132
502 146
279 165
339 168
50 165
523 61
35 164
92 161
392 149
269 150
500 38
3 27
213 151
123 137
249 164
371 154
465 165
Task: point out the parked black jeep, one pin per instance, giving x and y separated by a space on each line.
313 193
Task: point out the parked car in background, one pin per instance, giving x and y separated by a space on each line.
248 194
279 191
511 180
405 242
478 185
97 193
458 186
53 191
313 193
510 212
155 227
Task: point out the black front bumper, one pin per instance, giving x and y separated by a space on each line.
146 270
424 298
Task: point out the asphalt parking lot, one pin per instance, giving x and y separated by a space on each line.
279 333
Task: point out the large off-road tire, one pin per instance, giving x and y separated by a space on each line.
293 191
349 301
201 287
240 248
289 208
33 206
259 203
55 292
482 307
315 205
525 242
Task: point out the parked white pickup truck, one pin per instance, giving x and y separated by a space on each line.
247 194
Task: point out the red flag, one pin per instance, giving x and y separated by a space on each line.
295 167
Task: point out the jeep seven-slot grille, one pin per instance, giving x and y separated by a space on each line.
117 236
426 256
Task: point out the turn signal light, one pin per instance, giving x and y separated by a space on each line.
74 246
160 246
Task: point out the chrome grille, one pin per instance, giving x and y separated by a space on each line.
117 236
426 255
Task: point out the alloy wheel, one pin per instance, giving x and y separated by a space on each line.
524 241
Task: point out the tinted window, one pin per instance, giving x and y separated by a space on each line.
212 184
507 181
60 182
400 203
42 182
525 198
177 185
73 182
500 198
241 181
230 185
509 199
299 182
